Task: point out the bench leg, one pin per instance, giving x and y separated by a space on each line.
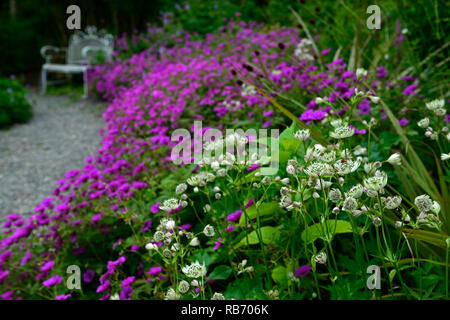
85 85
43 81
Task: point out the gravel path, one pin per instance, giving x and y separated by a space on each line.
33 156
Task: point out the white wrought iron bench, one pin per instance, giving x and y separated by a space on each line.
83 48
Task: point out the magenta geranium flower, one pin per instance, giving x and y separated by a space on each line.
128 281
312 115
52 281
126 293
303 271
88 276
235 216
154 271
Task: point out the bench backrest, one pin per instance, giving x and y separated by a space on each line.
83 45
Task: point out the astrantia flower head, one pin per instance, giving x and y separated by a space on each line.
285 201
170 204
424 123
321 258
209 231
349 204
376 182
342 132
335 195
344 167
181 188
172 295
183 287
318 169
194 270
218 296
355 191
391 202
435 104
302 135
423 203
445 156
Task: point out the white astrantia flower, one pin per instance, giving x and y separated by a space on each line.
222 172
377 221
349 204
319 184
303 49
336 123
445 156
193 180
435 207
194 242
424 123
114 297
158 236
328 157
318 169
344 167
376 182
285 201
172 295
302 135
361 73
218 296
440 112
248 90
151 246
181 188
359 151
183 286
342 132
321 258
170 204
395 159
391 203
335 195
435 104
374 99
370 167
169 224
209 231
423 203
355 191
290 169
194 270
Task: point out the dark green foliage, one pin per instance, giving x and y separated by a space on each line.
14 108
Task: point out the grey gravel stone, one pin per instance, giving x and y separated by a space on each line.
33 156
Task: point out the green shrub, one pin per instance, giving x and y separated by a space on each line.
14 108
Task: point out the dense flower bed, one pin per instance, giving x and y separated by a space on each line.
120 221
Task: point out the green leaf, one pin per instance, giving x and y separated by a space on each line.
265 209
319 230
221 272
279 275
269 235
287 140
